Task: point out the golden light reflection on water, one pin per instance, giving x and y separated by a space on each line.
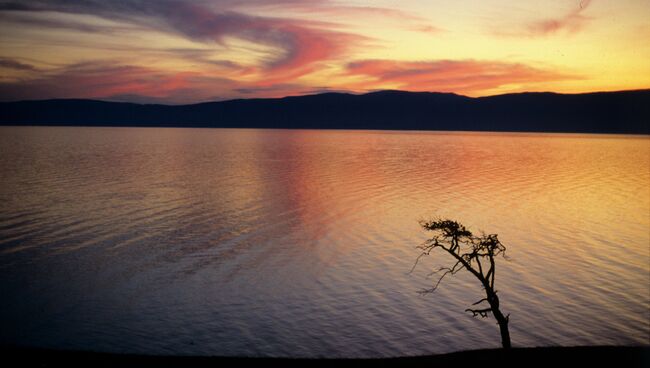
317 229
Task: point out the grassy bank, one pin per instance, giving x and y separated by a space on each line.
603 356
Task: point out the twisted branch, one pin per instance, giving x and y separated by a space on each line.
479 312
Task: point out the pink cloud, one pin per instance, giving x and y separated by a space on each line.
460 76
335 10
572 22
110 81
299 43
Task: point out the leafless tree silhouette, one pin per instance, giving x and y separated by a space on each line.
475 254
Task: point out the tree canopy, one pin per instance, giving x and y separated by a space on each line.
474 253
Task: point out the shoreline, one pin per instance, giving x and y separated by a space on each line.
585 356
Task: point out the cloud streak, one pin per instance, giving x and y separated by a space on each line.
398 17
297 43
461 76
572 22
112 81
8 63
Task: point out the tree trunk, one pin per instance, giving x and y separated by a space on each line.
505 334
493 299
503 326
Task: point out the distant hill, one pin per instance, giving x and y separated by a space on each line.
602 112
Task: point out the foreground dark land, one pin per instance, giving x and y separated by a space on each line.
598 356
626 112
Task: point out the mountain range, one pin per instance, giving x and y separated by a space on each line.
625 112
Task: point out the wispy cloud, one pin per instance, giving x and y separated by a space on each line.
571 22
9 63
395 17
113 81
298 43
462 76
294 44
51 20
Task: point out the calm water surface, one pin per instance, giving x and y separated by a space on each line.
299 243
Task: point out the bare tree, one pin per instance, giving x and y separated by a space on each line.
475 254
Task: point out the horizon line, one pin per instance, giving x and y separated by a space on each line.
352 93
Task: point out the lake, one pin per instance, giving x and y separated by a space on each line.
298 243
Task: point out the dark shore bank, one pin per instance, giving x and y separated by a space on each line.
597 356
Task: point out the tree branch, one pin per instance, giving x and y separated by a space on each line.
479 312
416 262
480 301
480 268
431 290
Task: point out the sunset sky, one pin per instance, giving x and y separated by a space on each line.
182 51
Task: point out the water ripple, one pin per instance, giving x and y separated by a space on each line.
299 243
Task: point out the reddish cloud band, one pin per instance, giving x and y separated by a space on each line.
461 76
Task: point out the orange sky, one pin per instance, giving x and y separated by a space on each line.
183 51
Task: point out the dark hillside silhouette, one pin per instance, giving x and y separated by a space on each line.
604 112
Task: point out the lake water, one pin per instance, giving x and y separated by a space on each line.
299 243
